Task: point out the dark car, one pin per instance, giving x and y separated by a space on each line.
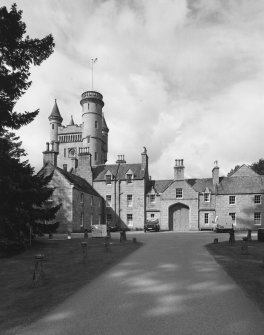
152 226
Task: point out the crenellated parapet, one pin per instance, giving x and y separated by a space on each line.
92 96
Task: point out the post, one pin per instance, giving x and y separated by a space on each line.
38 274
84 251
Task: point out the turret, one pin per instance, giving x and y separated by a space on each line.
55 121
92 104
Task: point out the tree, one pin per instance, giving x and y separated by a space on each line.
22 193
258 167
16 55
233 170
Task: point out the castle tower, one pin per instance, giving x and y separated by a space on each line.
55 120
92 117
105 131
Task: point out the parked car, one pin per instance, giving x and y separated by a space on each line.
222 229
152 226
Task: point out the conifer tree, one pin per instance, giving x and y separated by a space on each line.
22 193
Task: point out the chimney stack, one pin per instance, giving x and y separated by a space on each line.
50 156
215 174
179 169
120 159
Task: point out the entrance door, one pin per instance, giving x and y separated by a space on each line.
179 217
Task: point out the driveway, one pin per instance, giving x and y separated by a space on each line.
171 285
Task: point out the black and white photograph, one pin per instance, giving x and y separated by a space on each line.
131 167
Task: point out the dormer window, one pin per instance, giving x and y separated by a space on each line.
206 197
108 179
129 177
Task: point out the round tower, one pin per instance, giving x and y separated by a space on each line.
92 104
55 120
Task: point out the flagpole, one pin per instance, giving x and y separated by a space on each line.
93 61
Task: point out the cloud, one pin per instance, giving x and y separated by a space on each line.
182 78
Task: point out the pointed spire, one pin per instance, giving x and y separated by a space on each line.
104 125
71 122
55 113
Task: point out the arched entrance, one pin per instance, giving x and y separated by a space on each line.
179 217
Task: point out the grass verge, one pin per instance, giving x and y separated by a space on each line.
65 272
246 270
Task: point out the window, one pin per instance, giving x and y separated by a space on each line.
257 218
130 220
108 179
129 178
81 221
82 198
178 193
65 151
129 200
257 199
91 200
232 200
152 198
233 217
206 218
108 219
88 139
207 197
52 125
108 201
152 216
95 156
96 124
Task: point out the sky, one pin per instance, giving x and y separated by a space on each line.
184 78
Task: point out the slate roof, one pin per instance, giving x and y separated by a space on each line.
238 185
227 185
55 113
159 185
117 170
78 182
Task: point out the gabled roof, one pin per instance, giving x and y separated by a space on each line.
78 182
118 170
244 171
159 185
55 113
244 184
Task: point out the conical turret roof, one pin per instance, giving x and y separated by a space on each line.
71 122
104 126
55 113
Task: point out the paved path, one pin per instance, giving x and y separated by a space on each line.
171 285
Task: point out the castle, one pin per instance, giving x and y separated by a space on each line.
123 195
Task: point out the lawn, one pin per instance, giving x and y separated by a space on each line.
65 271
246 270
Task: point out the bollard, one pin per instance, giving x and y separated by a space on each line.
232 237
134 240
107 243
38 274
50 235
215 240
69 236
249 235
84 251
244 247
85 235
123 236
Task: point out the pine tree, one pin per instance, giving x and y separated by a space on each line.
22 194
17 53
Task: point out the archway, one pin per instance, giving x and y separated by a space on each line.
179 217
